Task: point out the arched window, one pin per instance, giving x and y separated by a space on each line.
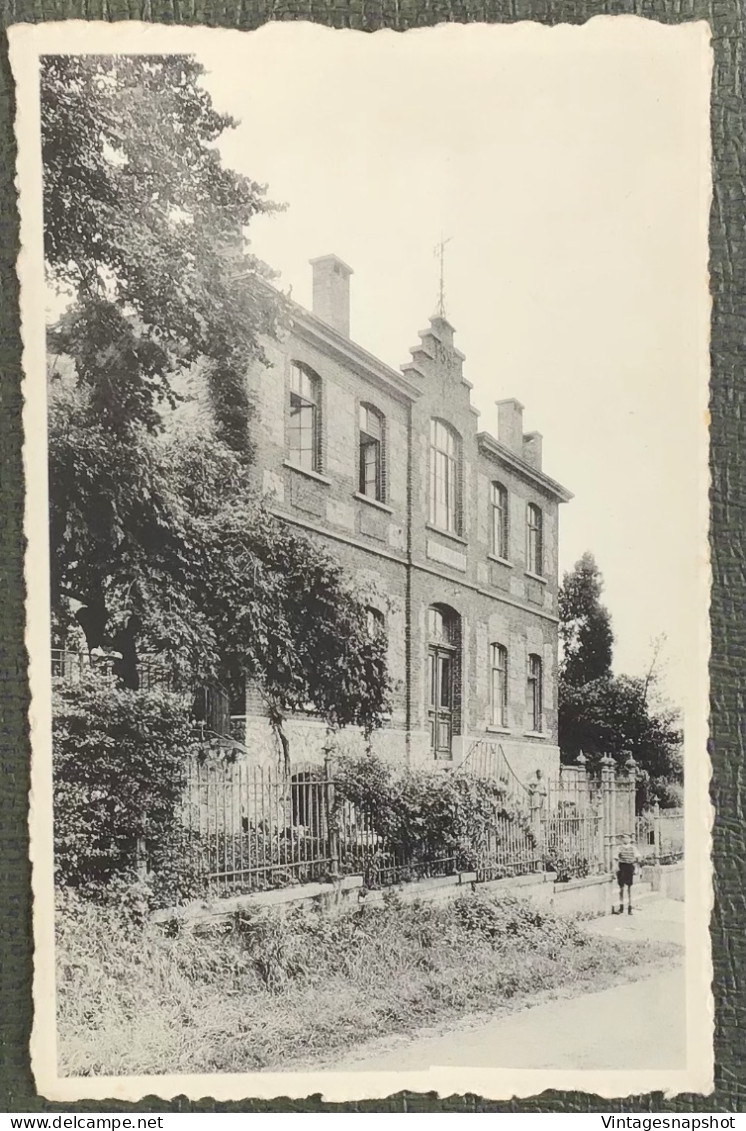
499 501
499 684
443 677
376 622
445 477
534 540
443 626
371 457
534 693
304 432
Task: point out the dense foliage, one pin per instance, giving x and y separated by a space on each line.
120 761
144 229
601 713
159 543
424 816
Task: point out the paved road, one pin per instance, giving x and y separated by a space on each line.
635 1025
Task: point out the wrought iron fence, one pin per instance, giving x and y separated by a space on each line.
253 827
511 849
487 760
572 833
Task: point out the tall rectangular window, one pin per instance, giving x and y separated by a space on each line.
375 622
499 520
499 686
304 446
534 540
371 453
534 688
445 473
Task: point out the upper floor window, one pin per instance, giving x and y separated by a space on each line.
534 689
534 540
499 520
304 433
445 477
499 685
371 453
375 621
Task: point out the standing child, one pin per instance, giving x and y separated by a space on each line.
627 858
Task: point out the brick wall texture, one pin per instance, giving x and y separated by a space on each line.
400 562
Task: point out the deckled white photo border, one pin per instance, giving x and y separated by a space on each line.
27 44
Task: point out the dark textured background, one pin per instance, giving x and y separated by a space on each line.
728 455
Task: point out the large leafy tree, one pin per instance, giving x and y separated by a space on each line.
158 541
144 228
601 713
614 715
144 243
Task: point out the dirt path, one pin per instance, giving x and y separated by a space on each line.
633 1025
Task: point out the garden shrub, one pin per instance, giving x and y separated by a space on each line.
567 865
424 816
120 761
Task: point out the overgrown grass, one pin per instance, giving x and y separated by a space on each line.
273 989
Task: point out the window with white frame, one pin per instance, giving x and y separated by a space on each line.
534 540
371 457
499 502
304 430
445 477
534 693
499 684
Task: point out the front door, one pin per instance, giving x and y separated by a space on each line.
440 710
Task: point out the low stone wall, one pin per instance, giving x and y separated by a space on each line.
592 895
666 879
344 894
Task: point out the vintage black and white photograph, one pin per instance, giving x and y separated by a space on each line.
366 448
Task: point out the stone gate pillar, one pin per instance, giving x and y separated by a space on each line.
608 811
630 769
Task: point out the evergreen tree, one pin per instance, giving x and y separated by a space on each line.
585 625
605 714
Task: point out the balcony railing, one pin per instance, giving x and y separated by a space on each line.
72 666
211 707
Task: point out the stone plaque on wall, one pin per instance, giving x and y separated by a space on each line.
374 523
307 497
499 576
445 555
534 592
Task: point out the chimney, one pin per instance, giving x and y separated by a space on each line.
532 449
510 425
331 292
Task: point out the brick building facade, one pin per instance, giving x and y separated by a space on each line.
449 533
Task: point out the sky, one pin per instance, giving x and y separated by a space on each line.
569 170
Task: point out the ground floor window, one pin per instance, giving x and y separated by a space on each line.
534 693
375 621
499 688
